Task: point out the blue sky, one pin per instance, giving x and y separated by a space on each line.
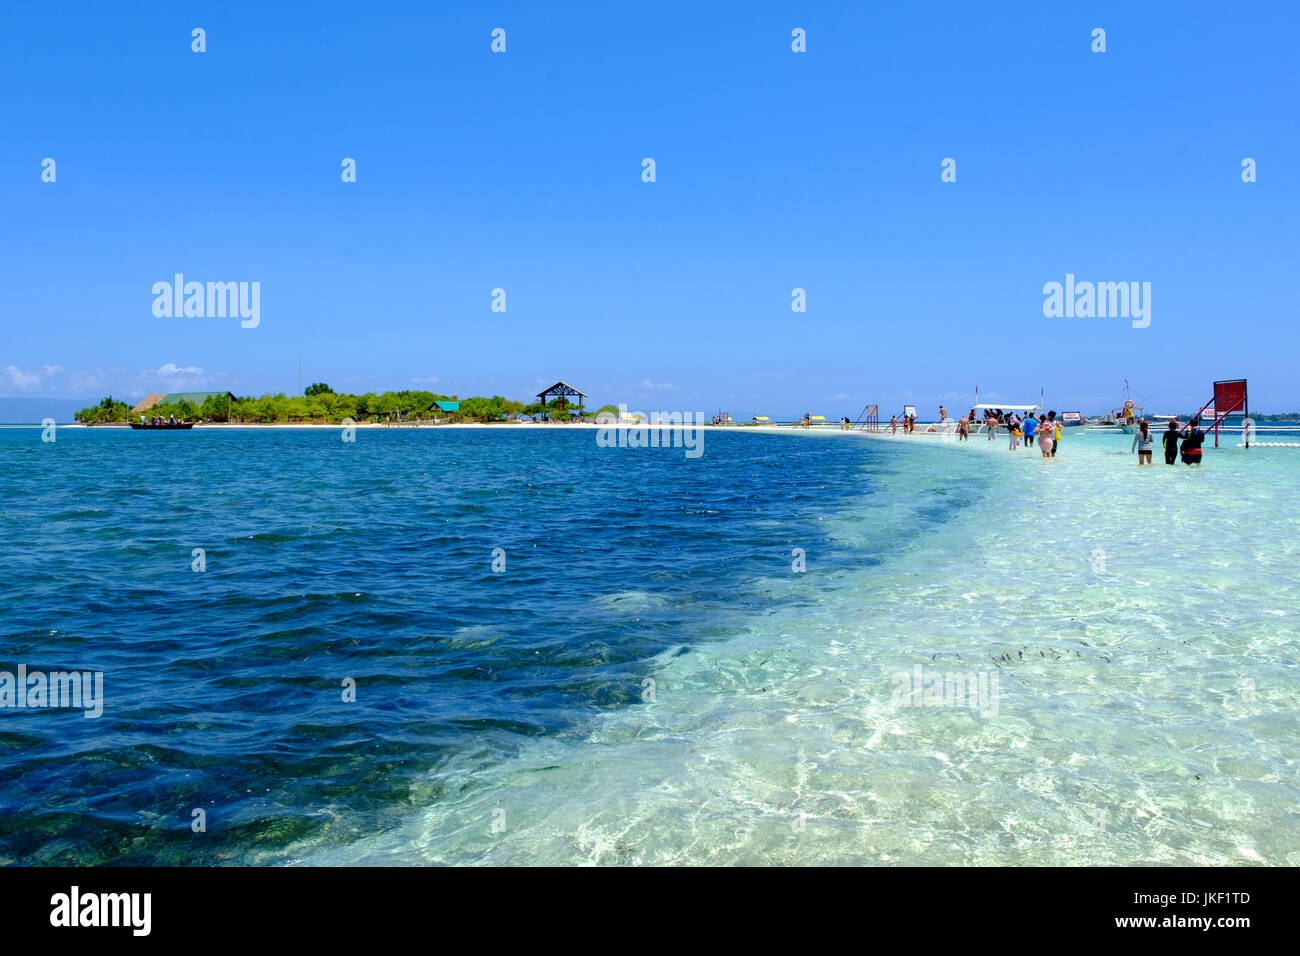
775 170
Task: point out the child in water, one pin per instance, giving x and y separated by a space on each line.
1142 441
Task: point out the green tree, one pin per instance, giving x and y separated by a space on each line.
294 409
216 408
385 405
318 388
108 410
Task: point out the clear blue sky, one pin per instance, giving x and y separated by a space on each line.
775 170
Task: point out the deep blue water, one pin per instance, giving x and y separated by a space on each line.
370 561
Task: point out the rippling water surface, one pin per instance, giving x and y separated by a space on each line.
647 680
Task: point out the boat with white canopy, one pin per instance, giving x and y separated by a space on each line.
1022 410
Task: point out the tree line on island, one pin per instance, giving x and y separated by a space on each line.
321 404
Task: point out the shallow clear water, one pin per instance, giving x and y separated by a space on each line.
1134 631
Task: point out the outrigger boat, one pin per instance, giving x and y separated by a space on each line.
978 427
162 427
1127 415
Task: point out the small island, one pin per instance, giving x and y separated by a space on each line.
321 405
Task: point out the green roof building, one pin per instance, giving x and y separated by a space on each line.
194 398
168 398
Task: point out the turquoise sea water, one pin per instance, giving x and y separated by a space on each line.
648 680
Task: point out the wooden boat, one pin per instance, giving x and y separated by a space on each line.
164 427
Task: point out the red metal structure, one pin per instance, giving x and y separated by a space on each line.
1229 399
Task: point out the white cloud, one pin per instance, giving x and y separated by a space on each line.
26 380
424 380
54 381
651 386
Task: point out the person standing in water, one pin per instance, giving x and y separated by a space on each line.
1046 441
1142 441
963 429
1191 449
1053 429
1031 424
1170 441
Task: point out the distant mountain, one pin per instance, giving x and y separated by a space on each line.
30 411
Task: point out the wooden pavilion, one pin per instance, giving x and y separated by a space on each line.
562 392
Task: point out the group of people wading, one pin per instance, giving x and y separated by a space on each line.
1045 429
1190 449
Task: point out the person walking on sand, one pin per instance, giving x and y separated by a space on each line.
1170 441
893 424
1142 441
